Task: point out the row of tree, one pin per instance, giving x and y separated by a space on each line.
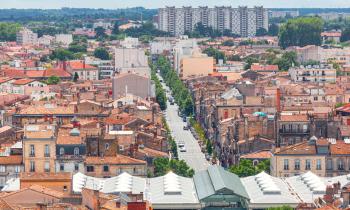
160 93
181 94
301 32
163 165
247 168
8 31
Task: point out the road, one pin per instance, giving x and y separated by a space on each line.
193 155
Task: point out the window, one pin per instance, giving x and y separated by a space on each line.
90 168
47 166
76 166
340 164
286 164
17 169
76 151
297 164
318 164
32 150
2 169
307 164
106 146
47 151
61 167
32 166
61 151
105 168
329 164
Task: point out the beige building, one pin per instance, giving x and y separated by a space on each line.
197 64
39 147
323 157
314 74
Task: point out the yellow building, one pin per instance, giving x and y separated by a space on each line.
39 148
197 64
299 158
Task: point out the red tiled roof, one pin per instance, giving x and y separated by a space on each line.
11 160
56 72
264 67
340 148
5 79
331 34
258 155
80 65
294 118
113 160
23 81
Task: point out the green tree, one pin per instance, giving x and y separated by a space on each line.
163 165
228 43
246 168
249 61
100 32
116 28
61 54
261 32
101 53
76 77
53 80
301 32
285 207
8 31
273 29
217 54
345 35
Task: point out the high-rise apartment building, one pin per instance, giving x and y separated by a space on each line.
26 37
242 21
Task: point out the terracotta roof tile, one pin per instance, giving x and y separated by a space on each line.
11 160
294 118
114 160
23 81
258 155
27 176
302 148
340 148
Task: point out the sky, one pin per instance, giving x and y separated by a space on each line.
113 4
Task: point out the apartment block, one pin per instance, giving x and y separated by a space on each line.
316 74
242 21
26 37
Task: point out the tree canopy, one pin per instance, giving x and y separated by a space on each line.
101 53
301 32
181 94
163 165
8 31
217 54
246 168
53 80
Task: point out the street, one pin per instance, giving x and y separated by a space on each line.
193 155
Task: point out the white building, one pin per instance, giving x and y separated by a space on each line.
26 37
64 39
130 42
242 21
316 74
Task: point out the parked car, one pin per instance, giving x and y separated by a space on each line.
183 149
181 144
184 119
185 127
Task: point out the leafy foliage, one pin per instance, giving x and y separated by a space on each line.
345 36
8 31
160 93
61 54
163 165
273 30
285 207
101 53
246 168
301 32
217 54
201 135
53 80
261 32
180 92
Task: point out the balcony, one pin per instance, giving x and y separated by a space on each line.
294 131
70 157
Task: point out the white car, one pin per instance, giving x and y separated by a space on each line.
182 149
181 144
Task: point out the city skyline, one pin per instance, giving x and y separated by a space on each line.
109 4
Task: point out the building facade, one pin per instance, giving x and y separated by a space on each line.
316 74
242 21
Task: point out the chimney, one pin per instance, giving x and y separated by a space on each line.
84 65
64 65
278 99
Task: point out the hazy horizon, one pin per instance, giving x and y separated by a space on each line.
152 4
